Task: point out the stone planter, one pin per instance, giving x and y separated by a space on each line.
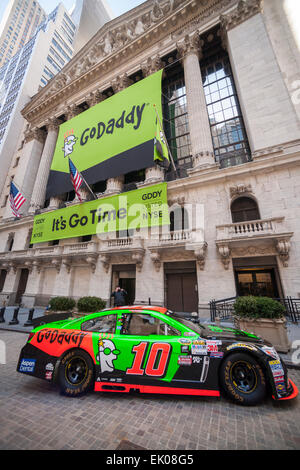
272 330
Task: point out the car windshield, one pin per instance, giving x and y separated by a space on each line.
197 327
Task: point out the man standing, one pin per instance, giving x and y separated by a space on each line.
119 296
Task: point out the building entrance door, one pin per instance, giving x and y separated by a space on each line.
22 285
182 295
125 277
258 282
128 284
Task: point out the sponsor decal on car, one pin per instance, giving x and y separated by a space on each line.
60 337
27 365
217 355
184 341
212 346
185 360
198 349
270 351
241 345
199 341
48 375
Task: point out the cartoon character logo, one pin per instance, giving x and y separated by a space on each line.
69 142
106 355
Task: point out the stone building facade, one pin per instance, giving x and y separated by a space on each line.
231 116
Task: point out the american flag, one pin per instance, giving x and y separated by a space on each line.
76 178
16 199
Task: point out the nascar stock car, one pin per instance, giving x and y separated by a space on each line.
152 350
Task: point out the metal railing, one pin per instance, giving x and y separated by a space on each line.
224 308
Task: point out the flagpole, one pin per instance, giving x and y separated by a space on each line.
89 188
94 195
172 160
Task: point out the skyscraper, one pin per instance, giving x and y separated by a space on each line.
19 23
33 65
89 15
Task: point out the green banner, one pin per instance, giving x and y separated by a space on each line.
145 207
111 138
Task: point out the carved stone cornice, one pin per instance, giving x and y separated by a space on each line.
151 65
53 124
240 189
190 44
244 10
120 83
72 111
94 98
118 42
35 134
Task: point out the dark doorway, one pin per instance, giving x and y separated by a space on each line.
182 295
258 282
128 284
22 285
3 275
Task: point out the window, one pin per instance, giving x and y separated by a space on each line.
175 115
86 238
103 324
244 209
145 325
225 117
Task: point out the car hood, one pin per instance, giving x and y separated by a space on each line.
231 334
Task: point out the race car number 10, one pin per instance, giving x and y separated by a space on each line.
159 352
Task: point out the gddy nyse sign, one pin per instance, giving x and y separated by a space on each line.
112 138
146 207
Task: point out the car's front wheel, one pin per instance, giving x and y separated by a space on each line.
242 379
76 373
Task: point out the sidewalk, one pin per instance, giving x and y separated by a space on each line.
293 329
22 318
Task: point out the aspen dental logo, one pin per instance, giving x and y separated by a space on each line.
146 207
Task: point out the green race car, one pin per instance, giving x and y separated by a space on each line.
152 350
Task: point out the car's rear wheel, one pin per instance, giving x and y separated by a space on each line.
76 373
242 379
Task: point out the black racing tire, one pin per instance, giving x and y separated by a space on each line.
76 373
242 379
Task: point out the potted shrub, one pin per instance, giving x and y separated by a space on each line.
90 304
61 304
264 317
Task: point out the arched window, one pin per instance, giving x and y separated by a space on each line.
244 209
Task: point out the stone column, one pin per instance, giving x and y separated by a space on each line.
33 285
11 282
27 169
155 173
114 185
39 190
64 279
269 115
190 51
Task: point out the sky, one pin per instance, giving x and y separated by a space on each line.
117 6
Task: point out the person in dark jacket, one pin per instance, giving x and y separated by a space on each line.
119 296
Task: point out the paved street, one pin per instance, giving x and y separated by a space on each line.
33 415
